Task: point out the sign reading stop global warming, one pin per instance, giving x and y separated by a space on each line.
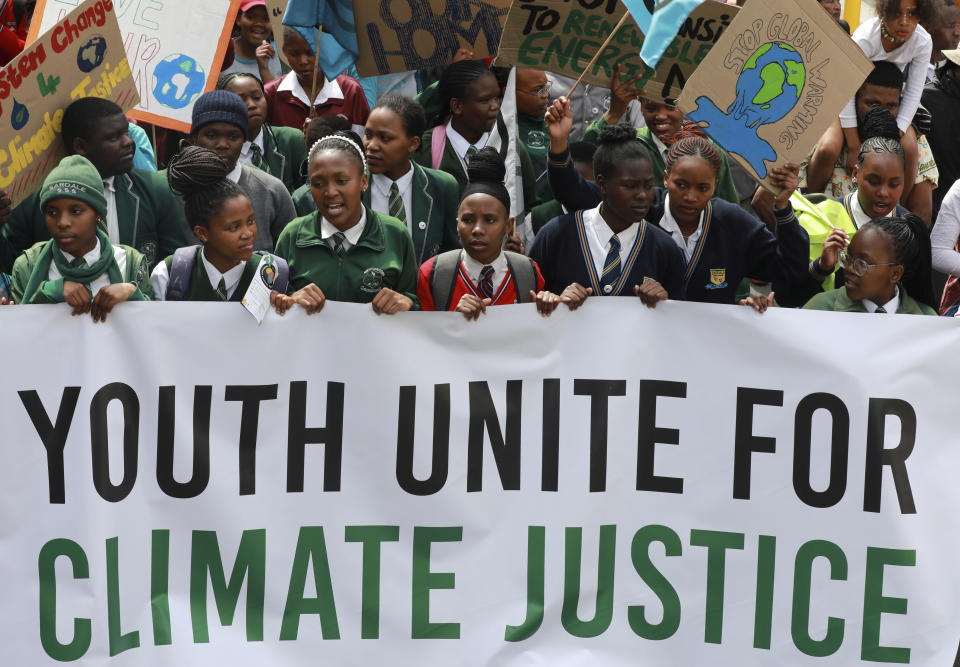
562 36
773 83
174 47
596 488
402 35
82 55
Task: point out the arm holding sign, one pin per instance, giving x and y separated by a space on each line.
568 185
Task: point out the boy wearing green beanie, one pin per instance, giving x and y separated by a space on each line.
79 265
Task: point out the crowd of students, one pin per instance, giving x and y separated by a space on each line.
400 202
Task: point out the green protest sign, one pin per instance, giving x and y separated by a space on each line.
562 36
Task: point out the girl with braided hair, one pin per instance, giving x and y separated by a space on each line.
224 265
352 253
887 267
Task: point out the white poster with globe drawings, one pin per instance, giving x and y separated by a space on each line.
773 83
174 47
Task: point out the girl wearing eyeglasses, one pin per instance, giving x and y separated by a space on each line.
887 270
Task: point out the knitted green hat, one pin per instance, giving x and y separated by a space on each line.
75 177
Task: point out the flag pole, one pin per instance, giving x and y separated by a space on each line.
313 84
623 19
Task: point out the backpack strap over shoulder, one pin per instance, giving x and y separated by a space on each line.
524 275
181 269
443 278
438 142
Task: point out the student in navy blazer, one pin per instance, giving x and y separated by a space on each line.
721 243
424 199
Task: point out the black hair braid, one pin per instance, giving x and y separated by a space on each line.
880 135
692 142
224 81
199 176
456 78
910 239
345 141
410 112
486 167
617 143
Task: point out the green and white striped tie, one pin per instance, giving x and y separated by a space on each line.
396 204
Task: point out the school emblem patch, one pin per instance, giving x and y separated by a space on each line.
148 250
372 280
268 272
718 279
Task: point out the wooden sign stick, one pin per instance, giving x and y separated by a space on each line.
313 84
623 19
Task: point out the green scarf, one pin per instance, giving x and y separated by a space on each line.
83 275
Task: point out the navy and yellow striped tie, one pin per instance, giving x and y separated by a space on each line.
611 266
486 281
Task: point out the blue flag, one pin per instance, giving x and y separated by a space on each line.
659 21
338 48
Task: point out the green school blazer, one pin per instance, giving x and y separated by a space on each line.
435 199
147 213
838 301
284 151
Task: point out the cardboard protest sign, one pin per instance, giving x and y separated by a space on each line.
175 48
562 36
82 55
275 10
415 34
773 83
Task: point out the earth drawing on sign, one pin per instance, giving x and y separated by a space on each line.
769 86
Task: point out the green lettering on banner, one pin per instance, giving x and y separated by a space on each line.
119 642
46 562
424 581
311 547
603 611
536 553
250 565
875 604
371 537
717 542
652 577
159 593
802 574
763 612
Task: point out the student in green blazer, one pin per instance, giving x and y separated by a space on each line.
886 262
471 97
423 199
349 252
144 213
278 150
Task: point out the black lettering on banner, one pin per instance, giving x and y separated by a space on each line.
299 436
550 461
115 391
250 396
839 449
506 450
166 419
745 442
599 392
648 435
611 5
896 458
440 459
53 436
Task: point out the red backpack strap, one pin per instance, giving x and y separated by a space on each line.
438 143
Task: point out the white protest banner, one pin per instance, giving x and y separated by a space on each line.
82 55
690 485
773 83
175 48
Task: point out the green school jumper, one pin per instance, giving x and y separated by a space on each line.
838 302
200 288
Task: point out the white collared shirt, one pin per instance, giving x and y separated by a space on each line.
113 222
329 91
160 277
327 230
860 217
246 153
670 225
380 195
473 268
598 237
890 306
234 174
92 258
461 145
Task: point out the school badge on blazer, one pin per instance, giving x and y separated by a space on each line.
718 279
372 280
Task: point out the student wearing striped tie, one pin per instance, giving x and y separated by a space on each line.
277 150
611 250
350 252
423 199
483 273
